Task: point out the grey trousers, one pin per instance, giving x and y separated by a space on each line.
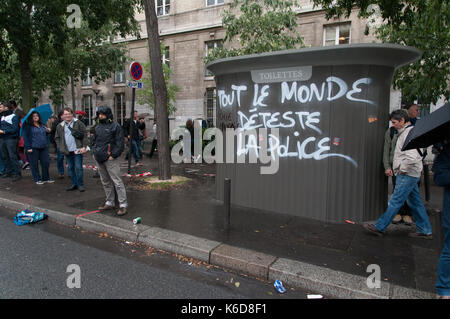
110 176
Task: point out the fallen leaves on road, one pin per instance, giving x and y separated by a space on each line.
103 235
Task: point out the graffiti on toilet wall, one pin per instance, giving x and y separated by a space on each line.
293 107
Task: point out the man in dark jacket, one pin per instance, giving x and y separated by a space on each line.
441 170
107 146
133 136
60 156
9 137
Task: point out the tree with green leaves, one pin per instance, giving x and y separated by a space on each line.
257 26
93 50
146 96
423 24
34 29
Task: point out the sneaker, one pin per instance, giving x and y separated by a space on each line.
420 235
106 207
397 219
39 183
25 165
407 220
50 181
372 229
122 211
81 189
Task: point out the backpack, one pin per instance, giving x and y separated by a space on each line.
392 132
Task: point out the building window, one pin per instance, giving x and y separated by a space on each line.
210 104
88 80
162 7
119 76
120 107
87 107
210 46
213 2
166 57
336 34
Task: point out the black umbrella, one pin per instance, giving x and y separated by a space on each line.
431 129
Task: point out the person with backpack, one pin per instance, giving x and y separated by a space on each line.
107 146
407 167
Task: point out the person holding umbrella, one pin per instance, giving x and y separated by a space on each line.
36 147
407 167
434 129
441 170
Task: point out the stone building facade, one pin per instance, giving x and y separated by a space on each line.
188 29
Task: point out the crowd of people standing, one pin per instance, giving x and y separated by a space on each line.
27 145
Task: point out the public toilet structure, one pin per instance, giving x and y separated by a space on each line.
325 111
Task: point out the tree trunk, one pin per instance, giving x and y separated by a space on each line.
27 80
72 89
159 90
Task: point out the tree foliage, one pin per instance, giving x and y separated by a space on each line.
423 24
257 26
146 96
37 30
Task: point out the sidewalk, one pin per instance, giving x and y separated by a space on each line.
328 258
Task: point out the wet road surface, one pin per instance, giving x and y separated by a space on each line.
35 263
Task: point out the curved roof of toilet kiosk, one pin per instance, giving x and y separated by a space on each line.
381 54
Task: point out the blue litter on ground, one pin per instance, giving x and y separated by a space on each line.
28 217
279 287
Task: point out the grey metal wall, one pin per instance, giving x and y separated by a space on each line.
349 182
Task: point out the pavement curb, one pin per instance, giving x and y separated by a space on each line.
293 273
174 242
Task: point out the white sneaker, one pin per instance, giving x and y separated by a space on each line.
39 183
49 181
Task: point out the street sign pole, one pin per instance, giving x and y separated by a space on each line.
130 132
136 72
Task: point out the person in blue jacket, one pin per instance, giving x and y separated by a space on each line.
9 137
441 168
36 147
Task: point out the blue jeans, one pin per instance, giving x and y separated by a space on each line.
60 162
39 155
2 165
443 273
8 151
135 149
406 189
75 168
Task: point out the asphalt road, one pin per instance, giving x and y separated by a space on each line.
35 262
